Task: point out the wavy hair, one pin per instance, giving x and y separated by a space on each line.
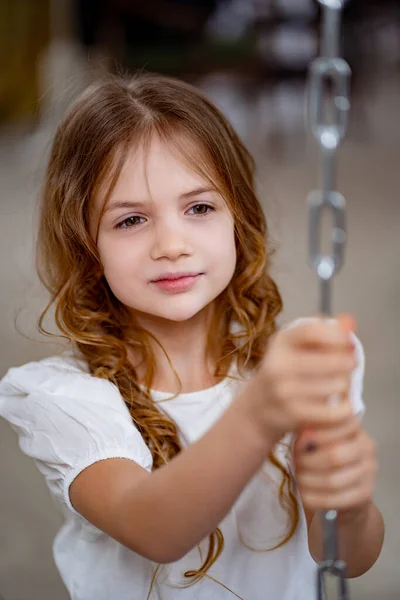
90 146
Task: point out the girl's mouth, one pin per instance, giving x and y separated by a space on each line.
183 284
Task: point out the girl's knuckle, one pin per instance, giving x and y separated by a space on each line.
310 501
372 447
276 369
353 425
334 457
374 468
353 364
301 482
330 481
331 414
341 385
284 388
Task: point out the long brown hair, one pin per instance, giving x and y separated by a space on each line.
89 148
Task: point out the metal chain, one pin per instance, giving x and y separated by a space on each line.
328 115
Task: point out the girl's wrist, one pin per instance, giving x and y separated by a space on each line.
253 412
355 516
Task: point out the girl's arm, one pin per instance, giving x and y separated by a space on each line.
360 533
340 472
164 514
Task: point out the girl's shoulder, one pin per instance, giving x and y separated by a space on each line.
66 419
65 374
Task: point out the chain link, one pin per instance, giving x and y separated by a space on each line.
328 109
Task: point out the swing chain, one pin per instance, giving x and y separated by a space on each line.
328 116
328 109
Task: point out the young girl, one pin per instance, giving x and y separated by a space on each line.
165 432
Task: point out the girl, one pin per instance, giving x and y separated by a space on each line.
164 432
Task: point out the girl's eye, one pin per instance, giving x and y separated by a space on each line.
128 223
201 210
201 207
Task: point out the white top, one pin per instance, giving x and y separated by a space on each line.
67 420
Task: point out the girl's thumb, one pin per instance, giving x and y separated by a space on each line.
347 323
305 442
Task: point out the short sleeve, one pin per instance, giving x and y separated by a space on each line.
67 420
357 378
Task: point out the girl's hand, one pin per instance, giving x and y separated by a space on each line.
336 468
303 367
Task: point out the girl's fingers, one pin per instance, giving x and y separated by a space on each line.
332 482
347 323
315 391
323 414
324 436
345 499
313 365
321 333
333 456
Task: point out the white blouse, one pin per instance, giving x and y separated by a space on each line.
67 419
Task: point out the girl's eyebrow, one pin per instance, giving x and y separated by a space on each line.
138 204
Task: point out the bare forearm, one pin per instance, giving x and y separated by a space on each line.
360 539
183 502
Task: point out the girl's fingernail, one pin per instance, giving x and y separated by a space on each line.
310 446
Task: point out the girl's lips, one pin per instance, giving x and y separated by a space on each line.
182 284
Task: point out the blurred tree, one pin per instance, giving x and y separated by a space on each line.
24 33
159 35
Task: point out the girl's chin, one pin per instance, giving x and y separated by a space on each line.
177 314
177 317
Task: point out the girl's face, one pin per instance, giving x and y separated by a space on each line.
162 218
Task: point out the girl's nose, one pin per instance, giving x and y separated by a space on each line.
170 242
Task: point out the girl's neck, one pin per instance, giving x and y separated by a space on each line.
191 382
185 344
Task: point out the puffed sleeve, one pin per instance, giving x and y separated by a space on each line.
67 420
357 377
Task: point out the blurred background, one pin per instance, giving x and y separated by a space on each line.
251 57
